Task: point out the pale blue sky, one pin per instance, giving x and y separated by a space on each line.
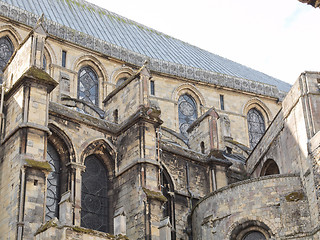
277 37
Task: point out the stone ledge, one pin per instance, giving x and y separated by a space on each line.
52 229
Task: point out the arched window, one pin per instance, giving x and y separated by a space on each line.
120 81
53 183
94 198
168 207
187 110
270 167
256 126
6 51
254 235
88 85
44 63
251 230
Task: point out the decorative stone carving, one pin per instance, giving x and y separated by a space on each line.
137 59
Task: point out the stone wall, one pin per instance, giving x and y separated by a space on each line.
279 202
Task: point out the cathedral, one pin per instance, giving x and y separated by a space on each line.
110 129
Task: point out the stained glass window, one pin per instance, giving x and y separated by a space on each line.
254 235
53 184
94 200
6 51
187 110
256 126
88 85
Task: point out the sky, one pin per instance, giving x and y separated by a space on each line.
277 37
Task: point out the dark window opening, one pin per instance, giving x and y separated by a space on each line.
53 184
221 102
152 91
256 126
229 150
88 85
270 167
187 111
94 198
115 116
6 51
202 147
254 235
64 58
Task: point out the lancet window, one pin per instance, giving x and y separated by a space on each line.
53 183
256 126
6 51
94 198
187 111
88 85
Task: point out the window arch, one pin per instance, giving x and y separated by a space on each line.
120 81
256 126
6 51
94 195
270 167
53 183
251 230
187 111
88 85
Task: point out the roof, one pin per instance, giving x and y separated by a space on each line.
117 36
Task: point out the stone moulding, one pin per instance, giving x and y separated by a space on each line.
156 65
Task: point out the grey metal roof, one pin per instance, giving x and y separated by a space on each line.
121 32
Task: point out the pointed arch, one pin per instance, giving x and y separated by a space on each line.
121 73
59 154
97 67
101 147
96 213
62 141
49 58
53 190
12 33
6 51
188 88
97 185
260 106
89 60
270 167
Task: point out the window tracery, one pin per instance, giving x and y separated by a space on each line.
53 184
187 111
94 199
88 85
6 51
256 126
